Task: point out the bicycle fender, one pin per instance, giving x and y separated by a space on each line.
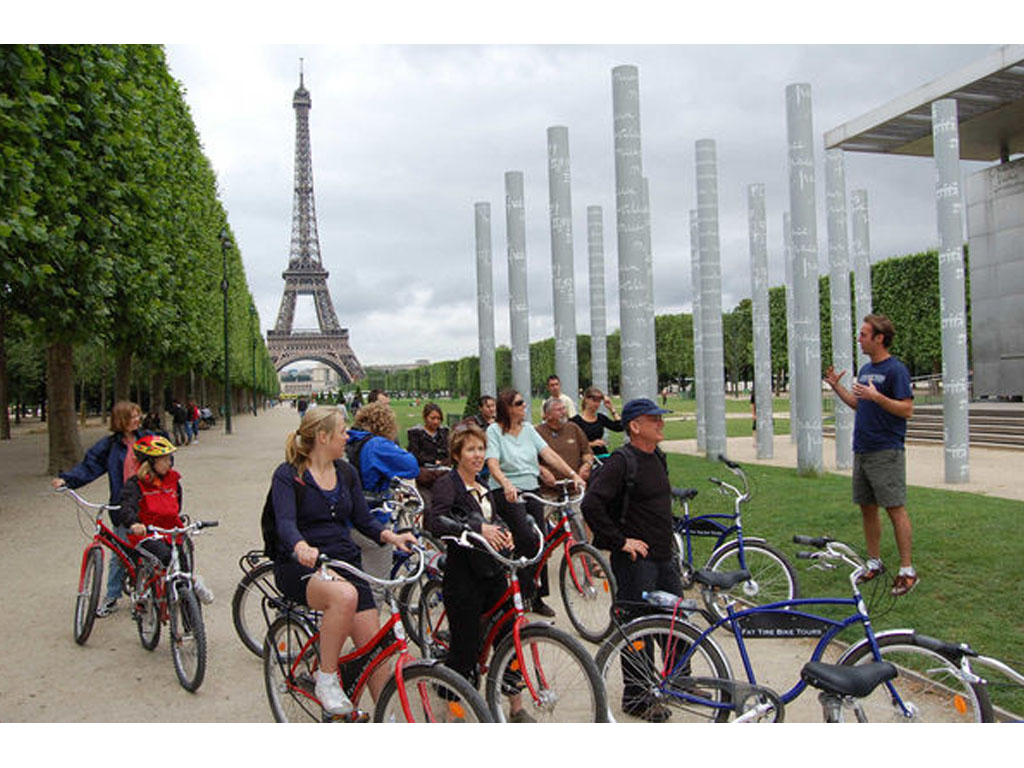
864 641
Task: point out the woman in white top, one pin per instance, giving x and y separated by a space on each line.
513 451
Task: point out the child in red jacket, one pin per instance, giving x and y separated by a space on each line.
152 496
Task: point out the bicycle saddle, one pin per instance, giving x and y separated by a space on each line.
857 681
684 494
716 580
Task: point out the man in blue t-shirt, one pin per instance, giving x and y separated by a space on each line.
883 401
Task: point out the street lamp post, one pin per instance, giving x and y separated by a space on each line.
252 329
225 244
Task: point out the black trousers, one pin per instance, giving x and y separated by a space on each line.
517 517
467 597
634 577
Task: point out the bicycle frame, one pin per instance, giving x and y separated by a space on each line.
714 525
788 612
103 537
560 535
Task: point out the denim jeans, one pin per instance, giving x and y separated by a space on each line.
115 574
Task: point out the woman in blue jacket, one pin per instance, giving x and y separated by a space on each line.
372 450
112 456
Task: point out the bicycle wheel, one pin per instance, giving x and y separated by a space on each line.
146 610
436 694
88 595
772 577
289 663
637 665
433 621
588 591
188 639
566 682
928 685
247 605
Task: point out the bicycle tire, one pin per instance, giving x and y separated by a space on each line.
569 687
588 587
88 595
627 648
433 621
188 639
288 671
773 577
247 605
928 683
435 693
146 610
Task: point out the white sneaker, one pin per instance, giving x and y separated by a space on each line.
203 592
332 698
107 607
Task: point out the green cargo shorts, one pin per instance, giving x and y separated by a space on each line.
880 478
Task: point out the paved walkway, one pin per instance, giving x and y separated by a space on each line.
993 471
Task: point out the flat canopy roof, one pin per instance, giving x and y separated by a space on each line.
990 106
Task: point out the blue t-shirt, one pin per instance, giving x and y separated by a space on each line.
875 429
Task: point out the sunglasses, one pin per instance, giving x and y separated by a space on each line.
518 403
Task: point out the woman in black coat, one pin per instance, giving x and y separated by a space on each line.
473 581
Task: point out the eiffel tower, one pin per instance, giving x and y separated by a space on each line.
306 274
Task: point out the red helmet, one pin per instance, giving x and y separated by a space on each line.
152 447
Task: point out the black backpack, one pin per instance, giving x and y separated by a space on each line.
268 523
352 451
627 453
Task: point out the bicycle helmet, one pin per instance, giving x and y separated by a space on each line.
152 447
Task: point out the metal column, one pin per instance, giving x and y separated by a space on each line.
860 247
806 319
598 319
711 298
762 329
698 343
955 395
787 258
562 270
839 295
636 309
518 303
485 299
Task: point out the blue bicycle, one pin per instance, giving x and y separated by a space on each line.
772 577
662 668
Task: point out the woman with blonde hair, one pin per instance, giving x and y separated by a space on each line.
111 455
317 519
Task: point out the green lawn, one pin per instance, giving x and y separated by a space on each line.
968 549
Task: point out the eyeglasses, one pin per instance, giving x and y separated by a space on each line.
518 403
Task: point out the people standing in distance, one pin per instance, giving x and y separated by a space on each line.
567 440
488 412
593 422
555 390
428 442
883 400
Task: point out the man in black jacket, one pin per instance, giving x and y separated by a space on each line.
628 505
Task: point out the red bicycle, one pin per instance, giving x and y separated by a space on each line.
91 573
419 690
167 595
585 579
534 659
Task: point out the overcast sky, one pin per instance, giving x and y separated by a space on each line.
405 139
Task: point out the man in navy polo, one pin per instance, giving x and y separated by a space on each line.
883 400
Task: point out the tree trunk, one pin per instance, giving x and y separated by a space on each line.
122 376
5 419
65 444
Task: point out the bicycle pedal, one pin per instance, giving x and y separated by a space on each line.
355 716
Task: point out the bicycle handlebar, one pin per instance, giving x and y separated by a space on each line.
469 539
566 502
197 526
82 502
325 561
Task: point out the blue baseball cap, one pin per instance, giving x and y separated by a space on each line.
641 406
